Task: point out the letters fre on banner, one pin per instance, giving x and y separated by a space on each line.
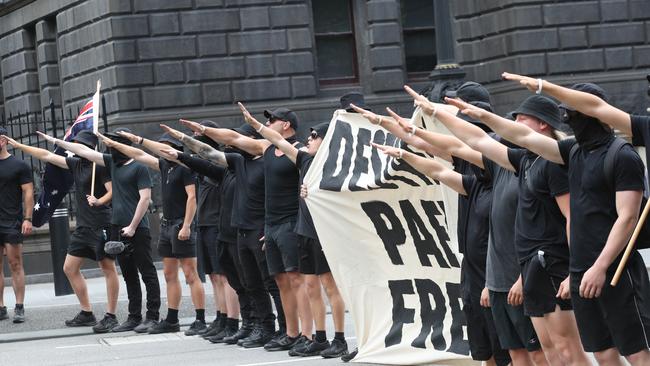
389 234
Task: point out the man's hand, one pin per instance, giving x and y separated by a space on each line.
46 137
395 152
421 101
485 298
92 201
107 142
374 118
592 282
530 83
26 228
178 135
10 141
404 123
194 126
184 233
466 108
516 293
248 117
303 191
129 136
128 231
169 153
564 292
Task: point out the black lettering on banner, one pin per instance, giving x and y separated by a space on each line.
405 167
424 243
401 314
377 167
391 237
360 162
432 316
443 238
342 134
459 344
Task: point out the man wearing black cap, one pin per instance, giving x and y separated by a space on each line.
16 190
91 231
130 201
177 241
613 320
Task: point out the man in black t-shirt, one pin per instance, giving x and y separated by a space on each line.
612 321
91 231
17 197
129 224
177 241
281 203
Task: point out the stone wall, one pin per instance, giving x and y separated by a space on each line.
606 41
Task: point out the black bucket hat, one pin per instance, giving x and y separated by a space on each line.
355 98
590 88
166 137
542 108
284 114
321 129
87 138
117 138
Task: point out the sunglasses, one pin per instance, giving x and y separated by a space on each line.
314 135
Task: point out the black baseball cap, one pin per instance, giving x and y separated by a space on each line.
209 123
590 88
469 119
284 114
355 98
321 129
248 130
469 92
115 137
542 108
166 137
87 138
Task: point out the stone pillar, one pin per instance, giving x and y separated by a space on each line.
48 63
19 72
447 73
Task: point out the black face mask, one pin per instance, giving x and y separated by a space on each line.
118 157
589 132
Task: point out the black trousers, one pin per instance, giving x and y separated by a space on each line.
257 278
232 269
137 258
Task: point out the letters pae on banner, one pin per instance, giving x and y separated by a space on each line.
389 234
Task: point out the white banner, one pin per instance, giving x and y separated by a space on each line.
389 234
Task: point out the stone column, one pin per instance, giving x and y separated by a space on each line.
447 74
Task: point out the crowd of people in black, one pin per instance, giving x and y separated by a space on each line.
548 198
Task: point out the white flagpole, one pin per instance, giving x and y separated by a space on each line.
95 129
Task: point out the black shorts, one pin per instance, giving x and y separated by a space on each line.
168 244
515 330
620 316
281 247
482 334
11 234
312 258
207 238
89 243
541 276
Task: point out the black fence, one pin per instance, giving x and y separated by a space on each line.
53 121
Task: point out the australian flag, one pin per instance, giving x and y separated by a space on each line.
57 181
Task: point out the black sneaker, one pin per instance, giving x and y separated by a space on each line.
195 328
259 341
350 356
211 330
145 326
254 334
283 343
300 346
127 326
242 333
165 327
315 348
3 313
19 315
82 320
105 325
336 349
221 336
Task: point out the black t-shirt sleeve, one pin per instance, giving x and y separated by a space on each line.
108 160
103 174
25 175
628 170
515 156
565 150
558 179
234 160
189 178
143 177
202 166
72 162
640 129
468 182
302 157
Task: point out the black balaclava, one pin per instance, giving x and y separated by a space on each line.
589 132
